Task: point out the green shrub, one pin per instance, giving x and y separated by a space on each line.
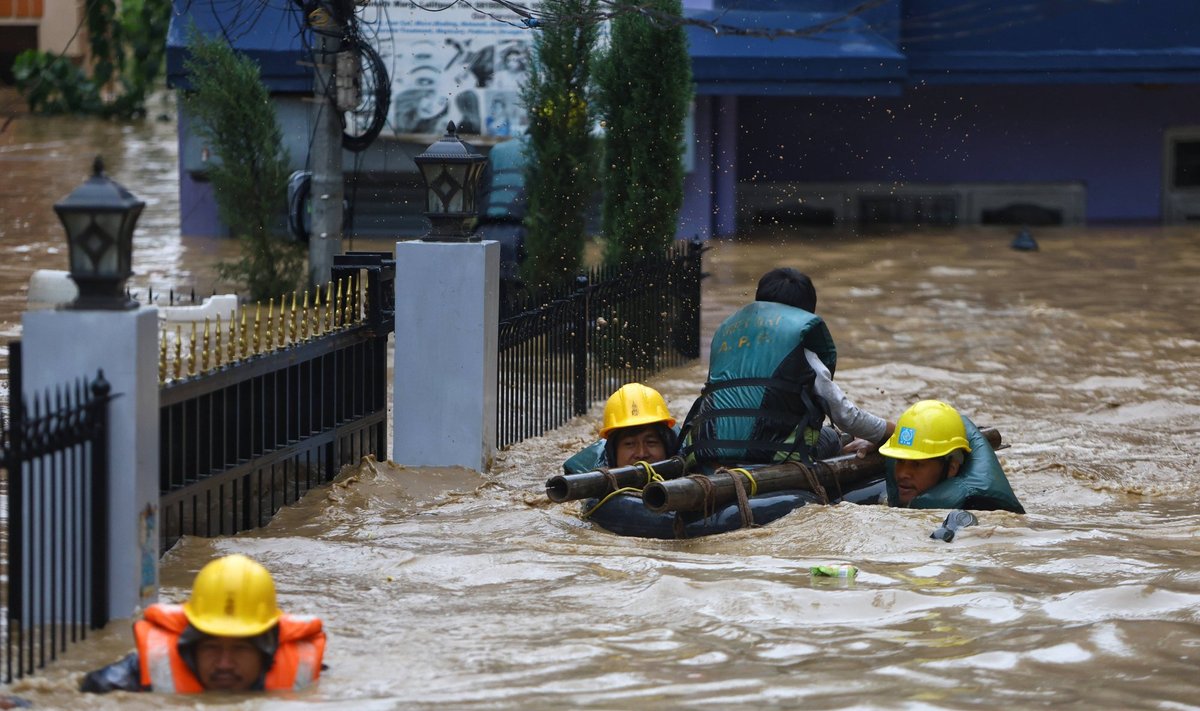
233 112
560 177
644 85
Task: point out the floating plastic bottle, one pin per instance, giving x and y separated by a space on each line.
843 570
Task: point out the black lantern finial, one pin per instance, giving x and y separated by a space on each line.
99 217
450 170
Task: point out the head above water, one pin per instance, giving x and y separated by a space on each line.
637 426
929 445
787 286
627 446
234 613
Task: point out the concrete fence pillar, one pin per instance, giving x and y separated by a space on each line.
59 346
444 387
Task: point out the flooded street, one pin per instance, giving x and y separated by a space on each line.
447 589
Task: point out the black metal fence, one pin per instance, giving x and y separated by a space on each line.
613 326
242 440
54 537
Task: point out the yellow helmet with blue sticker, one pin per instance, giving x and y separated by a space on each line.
928 429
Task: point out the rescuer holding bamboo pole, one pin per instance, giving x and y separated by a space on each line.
770 384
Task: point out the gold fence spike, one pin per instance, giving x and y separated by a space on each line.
347 315
231 355
292 321
270 335
337 309
243 344
316 325
304 318
162 356
178 352
328 308
204 350
257 328
191 361
218 352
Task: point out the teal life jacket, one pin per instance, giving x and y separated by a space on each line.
758 404
980 484
504 196
588 459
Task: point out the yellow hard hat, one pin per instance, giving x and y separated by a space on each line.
928 429
635 404
232 597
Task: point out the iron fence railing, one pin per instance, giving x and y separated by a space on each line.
611 327
53 537
278 408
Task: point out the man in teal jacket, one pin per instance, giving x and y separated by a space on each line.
939 459
770 384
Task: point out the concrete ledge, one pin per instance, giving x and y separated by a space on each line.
845 204
49 288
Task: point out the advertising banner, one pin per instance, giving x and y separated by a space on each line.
451 60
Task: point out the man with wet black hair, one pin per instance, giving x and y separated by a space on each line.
770 384
784 285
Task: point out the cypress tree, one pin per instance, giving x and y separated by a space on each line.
233 112
560 168
644 91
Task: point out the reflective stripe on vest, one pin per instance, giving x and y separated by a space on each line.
157 637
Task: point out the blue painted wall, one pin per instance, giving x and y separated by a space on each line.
1108 137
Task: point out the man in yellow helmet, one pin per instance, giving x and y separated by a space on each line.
938 459
638 427
229 636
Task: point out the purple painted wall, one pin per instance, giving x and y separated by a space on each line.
1110 137
197 202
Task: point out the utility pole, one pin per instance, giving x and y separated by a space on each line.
328 22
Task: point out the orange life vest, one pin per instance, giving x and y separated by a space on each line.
297 662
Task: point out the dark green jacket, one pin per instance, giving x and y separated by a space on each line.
759 392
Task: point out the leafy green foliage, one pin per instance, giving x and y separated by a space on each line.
52 84
232 111
560 172
643 89
127 47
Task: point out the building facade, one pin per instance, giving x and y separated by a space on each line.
814 112
48 25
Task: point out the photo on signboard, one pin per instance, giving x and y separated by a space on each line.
453 71
505 114
512 64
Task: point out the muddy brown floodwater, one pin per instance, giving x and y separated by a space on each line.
448 589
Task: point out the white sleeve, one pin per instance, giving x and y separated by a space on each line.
842 412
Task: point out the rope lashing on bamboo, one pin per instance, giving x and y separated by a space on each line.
651 475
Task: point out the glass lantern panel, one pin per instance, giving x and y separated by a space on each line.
111 223
471 187
458 174
430 173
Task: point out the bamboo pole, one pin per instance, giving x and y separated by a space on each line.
588 485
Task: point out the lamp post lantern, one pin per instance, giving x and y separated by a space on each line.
99 217
450 170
